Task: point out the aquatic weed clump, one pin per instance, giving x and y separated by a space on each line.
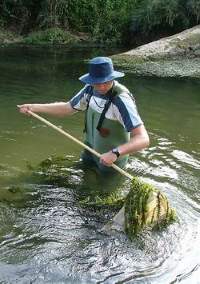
12 193
146 206
54 170
113 200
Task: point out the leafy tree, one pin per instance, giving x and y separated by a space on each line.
106 21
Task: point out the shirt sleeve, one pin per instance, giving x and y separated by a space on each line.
127 113
79 101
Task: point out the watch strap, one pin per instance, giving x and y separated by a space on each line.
116 152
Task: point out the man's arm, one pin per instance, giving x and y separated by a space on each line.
139 140
59 109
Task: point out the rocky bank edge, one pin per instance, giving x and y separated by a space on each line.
174 56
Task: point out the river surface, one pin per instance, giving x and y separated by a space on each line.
46 235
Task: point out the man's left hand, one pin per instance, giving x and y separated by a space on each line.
108 159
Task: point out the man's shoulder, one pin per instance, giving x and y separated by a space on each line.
122 95
88 89
120 89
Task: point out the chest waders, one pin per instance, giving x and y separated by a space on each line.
103 134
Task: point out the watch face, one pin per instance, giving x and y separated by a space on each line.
116 152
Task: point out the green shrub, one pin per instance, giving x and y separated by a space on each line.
52 35
8 37
107 21
164 15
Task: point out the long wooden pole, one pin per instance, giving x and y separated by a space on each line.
121 171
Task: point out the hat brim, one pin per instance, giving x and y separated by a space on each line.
87 79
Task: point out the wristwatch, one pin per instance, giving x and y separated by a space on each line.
116 152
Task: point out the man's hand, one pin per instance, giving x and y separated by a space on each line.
108 158
25 108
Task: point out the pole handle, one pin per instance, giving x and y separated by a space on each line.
114 166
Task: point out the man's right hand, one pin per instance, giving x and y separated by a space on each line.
25 108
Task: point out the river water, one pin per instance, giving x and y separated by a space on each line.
46 235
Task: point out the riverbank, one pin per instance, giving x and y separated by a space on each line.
174 56
48 36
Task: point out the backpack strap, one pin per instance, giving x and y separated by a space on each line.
90 92
106 107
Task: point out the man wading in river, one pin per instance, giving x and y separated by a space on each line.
113 126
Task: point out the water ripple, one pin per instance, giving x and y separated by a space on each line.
187 159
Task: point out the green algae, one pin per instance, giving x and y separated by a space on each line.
112 200
17 186
146 206
11 193
53 170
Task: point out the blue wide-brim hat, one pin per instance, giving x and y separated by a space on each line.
100 71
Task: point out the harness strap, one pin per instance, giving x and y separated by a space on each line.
90 91
106 107
111 94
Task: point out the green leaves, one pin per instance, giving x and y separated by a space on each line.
52 35
165 15
106 21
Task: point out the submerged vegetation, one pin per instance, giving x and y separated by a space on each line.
53 170
145 206
118 22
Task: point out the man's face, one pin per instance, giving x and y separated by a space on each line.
103 88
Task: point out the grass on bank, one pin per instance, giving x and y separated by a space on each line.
48 36
52 36
7 37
